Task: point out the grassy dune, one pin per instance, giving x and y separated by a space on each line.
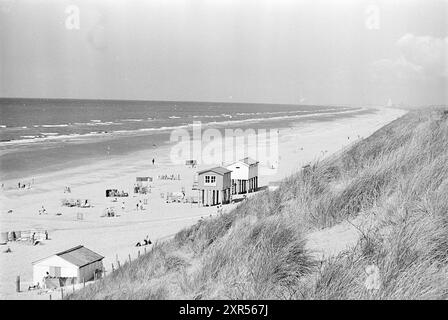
397 178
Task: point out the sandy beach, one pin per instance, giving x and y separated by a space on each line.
116 236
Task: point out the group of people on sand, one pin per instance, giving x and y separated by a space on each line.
110 212
145 242
43 211
169 177
139 204
35 240
38 286
23 185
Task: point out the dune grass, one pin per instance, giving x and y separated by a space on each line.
398 176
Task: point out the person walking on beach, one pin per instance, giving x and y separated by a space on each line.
153 160
141 205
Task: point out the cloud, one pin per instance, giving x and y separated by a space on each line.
392 70
420 57
419 73
428 54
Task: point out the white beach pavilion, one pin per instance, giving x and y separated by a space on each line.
74 265
244 175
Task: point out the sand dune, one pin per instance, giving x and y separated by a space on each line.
112 237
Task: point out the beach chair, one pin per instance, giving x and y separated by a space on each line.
86 204
68 203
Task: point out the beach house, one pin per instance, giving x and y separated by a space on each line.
244 175
71 266
214 186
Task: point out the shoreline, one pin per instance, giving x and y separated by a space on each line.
298 144
56 154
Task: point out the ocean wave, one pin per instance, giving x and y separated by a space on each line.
207 116
284 112
14 128
284 117
94 124
55 136
54 125
132 120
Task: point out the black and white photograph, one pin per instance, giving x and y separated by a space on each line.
225 150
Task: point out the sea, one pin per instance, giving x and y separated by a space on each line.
38 135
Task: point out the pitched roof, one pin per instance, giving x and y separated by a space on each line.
143 178
218 170
79 256
249 161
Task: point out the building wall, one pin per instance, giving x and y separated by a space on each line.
41 268
244 177
253 171
218 185
87 272
212 195
239 170
226 181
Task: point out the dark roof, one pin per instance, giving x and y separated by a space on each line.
143 178
249 161
218 170
80 256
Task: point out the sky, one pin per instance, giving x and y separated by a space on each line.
350 52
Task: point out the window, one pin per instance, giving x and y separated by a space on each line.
210 180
